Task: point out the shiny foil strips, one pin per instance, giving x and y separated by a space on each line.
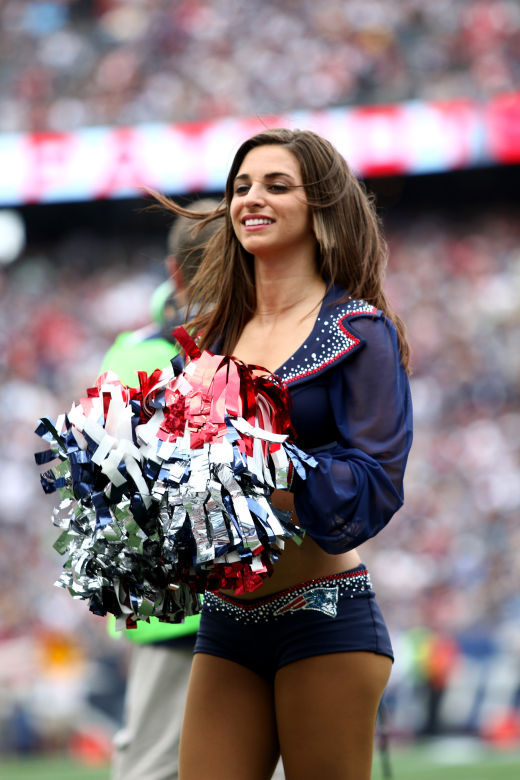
162 491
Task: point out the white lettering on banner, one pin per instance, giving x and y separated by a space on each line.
378 133
46 158
125 172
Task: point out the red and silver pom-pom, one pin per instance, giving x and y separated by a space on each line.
164 489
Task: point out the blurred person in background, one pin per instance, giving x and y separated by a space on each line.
293 282
146 747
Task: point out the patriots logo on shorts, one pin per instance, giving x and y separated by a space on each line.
322 599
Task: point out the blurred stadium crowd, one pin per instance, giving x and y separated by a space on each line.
446 566
446 569
70 63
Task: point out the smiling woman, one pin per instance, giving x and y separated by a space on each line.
273 222
293 282
269 211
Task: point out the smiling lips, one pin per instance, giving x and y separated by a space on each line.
253 222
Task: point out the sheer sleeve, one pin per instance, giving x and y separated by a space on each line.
358 483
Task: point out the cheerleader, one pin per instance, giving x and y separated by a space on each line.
293 282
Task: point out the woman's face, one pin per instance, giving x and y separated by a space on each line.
269 211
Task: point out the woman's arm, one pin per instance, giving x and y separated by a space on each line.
358 483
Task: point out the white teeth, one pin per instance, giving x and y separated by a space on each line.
250 222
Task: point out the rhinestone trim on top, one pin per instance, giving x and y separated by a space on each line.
328 341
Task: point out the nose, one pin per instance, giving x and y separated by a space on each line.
255 195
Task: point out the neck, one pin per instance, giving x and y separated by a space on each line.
278 297
280 287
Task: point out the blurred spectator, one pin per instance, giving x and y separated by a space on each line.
69 63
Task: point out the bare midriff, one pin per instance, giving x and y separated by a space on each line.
301 563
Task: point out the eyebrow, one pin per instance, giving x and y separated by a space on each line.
266 176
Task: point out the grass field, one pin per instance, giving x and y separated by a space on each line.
441 761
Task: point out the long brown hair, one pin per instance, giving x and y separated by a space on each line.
352 251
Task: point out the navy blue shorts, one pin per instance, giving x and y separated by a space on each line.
334 614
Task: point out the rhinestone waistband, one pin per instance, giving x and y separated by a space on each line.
320 595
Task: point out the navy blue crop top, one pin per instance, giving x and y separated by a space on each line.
351 408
